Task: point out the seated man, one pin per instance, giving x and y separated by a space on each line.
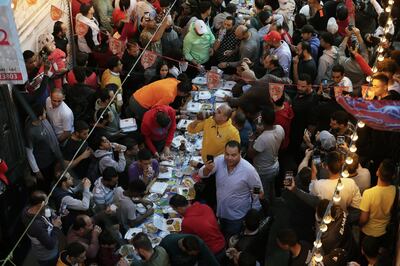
105 188
145 168
104 154
127 205
67 200
199 219
151 256
187 250
86 233
158 128
74 254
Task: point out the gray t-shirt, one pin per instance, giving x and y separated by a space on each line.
126 209
267 145
249 48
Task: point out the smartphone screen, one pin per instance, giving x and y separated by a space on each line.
316 160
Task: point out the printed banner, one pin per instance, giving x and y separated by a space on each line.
377 114
213 79
148 59
12 65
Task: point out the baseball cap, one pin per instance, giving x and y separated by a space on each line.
307 29
327 140
273 36
200 27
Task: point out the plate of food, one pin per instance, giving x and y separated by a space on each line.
223 94
204 95
228 85
199 81
188 192
183 124
151 228
174 224
188 182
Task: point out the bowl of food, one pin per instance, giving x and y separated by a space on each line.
151 228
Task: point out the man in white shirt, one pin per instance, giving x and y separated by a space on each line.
325 188
340 80
60 115
264 151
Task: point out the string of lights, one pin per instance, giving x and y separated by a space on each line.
317 251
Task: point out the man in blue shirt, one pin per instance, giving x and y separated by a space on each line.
236 180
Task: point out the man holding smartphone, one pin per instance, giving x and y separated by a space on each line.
235 180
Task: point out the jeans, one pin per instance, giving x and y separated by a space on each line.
230 227
268 182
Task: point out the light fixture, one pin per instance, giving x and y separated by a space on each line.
361 124
345 174
336 198
328 219
340 185
318 257
388 9
390 22
391 2
374 69
353 148
323 228
354 137
349 160
381 58
368 79
317 243
380 50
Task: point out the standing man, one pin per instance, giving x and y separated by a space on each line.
236 179
217 131
59 114
198 43
279 48
226 41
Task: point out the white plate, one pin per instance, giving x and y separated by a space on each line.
199 81
228 85
193 107
204 95
222 93
183 124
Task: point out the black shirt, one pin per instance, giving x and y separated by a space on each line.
61 43
68 149
301 259
307 67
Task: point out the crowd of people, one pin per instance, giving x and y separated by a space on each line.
270 166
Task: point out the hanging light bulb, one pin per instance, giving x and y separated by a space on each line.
383 39
354 137
374 69
345 174
353 148
391 2
390 21
388 9
381 58
337 198
380 49
368 79
318 257
340 185
328 219
317 243
386 30
361 124
349 160
323 228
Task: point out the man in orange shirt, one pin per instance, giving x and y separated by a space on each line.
161 92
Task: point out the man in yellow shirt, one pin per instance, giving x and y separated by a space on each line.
376 203
218 130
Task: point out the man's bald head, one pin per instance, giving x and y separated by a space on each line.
241 32
222 114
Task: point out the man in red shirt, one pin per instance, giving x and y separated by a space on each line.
158 128
200 220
